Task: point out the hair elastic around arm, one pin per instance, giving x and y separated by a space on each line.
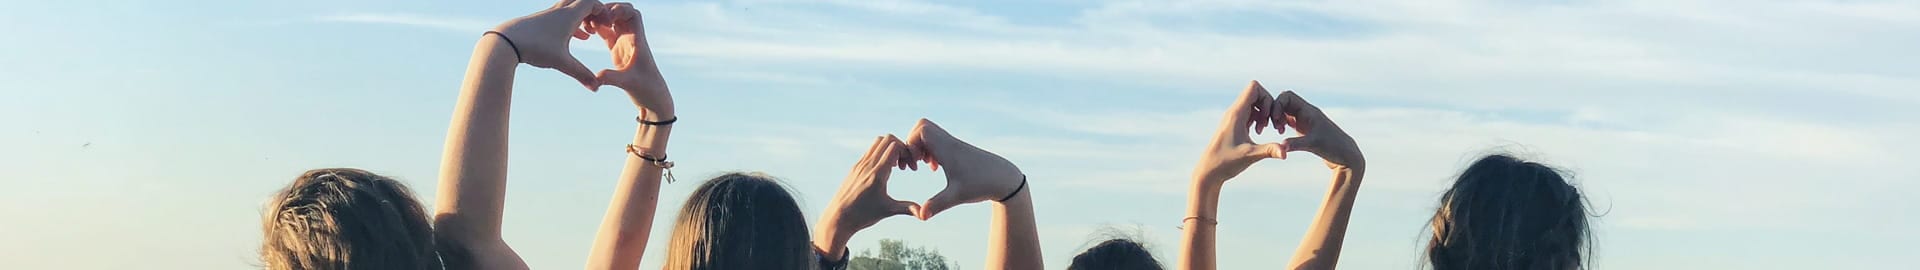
656 162
643 121
1016 191
503 37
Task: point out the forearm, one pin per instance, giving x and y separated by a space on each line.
1015 239
1320 248
831 240
473 168
624 231
1203 208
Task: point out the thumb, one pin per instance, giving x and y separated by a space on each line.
903 208
573 68
940 202
1301 144
1268 150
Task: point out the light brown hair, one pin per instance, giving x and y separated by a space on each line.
341 218
740 221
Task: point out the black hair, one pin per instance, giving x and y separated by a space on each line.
1116 254
1508 213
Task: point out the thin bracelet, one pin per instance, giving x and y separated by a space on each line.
1209 221
1016 191
503 37
656 162
669 121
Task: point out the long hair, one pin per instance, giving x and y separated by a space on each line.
341 218
1508 213
740 221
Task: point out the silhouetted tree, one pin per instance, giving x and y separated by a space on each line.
895 255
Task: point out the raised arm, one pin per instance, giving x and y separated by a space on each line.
975 175
473 169
1320 248
624 230
863 200
1230 153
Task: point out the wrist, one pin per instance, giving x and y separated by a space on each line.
1203 200
657 113
1023 198
831 241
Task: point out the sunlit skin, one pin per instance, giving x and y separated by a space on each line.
1233 150
622 239
473 170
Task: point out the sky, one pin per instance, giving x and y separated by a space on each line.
1706 134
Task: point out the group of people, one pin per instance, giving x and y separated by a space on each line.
1500 213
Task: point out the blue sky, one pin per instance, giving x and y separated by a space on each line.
1712 134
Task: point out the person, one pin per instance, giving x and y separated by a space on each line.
750 221
473 170
343 218
1115 254
1507 213
1233 151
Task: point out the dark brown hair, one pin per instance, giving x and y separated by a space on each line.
340 218
740 221
1508 213
1116 254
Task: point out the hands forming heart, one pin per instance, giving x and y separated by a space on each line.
973 175
542 41
1233 149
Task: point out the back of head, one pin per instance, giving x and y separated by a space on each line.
346 219
1508 213
1116 254
740 221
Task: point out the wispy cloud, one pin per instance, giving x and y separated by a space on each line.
414 20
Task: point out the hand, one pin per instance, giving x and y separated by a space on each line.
973 175
1319 135
863 199
1233 149
541 38
633 67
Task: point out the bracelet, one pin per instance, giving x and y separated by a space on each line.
1016 191
1209 221
656 162
503 37
644 121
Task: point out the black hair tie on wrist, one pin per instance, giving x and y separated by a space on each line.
503 37
643 121
1016 191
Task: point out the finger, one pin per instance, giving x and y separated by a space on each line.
580 33
923 149
889 155
904 208
880 165
1259 120
902 155
572 67
1262 111
1276 117
860 166
580 8
1237 114
939 203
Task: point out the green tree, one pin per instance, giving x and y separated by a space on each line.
895 255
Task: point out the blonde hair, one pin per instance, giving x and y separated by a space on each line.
342 218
